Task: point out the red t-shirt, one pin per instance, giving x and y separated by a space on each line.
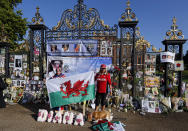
102 80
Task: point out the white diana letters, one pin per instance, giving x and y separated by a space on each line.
67 118
42 115
79 120
50 116
57 118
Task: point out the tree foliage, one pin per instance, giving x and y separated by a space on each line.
11 21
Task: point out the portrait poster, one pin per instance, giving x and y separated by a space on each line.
151 106
167 57
18 62
74 65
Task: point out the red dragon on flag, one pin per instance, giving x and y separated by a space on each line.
78 86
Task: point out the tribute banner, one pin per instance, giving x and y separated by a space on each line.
73 89
75 65
167 57
152 81
72 48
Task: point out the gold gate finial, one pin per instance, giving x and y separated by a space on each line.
128 15
128 3
37 19
174 33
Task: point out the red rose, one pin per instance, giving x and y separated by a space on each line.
178 64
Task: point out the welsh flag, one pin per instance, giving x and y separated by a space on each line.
72 89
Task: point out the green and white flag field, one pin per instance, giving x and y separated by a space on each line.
72 89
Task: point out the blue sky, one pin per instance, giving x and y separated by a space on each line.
155 16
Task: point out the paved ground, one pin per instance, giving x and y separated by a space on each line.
23 118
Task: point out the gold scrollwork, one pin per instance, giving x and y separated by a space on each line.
141 42
102 23
56 27
69 24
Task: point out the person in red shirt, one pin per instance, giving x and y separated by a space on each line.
103 80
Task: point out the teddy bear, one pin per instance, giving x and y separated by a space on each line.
100 115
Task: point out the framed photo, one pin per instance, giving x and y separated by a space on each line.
18 62
65 48
18 82
2 61
53 48
77 48
22 83
109 51
2 70
24 65
151 106
12 58
14 82
2 50
18 73
36 69
103 51
24 58
11 64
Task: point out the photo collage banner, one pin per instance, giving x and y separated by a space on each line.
152 85
106 48
72 48
18 70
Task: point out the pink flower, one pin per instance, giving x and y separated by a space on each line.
67 118
78 120
39 114
49 115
